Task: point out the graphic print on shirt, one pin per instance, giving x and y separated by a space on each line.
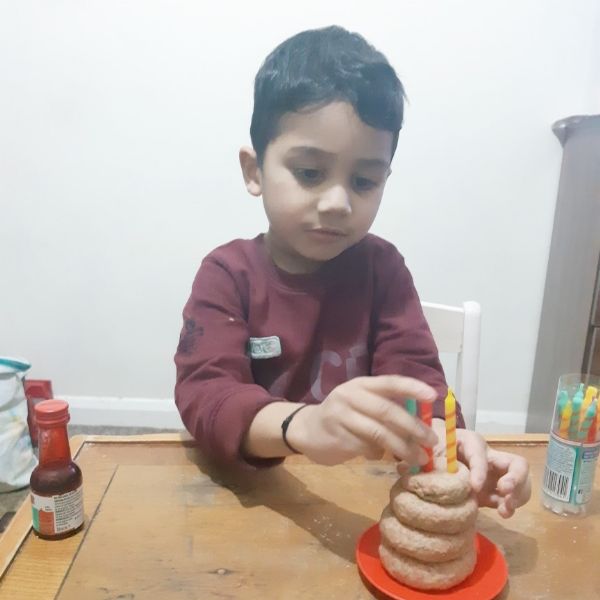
352 365
188 336
264 347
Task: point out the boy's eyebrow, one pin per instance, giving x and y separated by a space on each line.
373 162
320 153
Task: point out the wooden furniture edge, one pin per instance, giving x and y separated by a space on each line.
14 535
517 438
184 436
76 443
160 438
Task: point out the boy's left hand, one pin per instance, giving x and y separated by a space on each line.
499 479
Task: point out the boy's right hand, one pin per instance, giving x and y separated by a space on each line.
364 417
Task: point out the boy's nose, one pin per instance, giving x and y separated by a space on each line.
335 199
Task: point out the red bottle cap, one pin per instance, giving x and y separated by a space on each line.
52 413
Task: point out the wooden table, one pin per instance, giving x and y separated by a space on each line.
161 525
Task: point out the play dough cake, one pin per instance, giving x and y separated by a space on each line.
428 530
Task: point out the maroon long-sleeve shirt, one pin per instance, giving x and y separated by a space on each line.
253 334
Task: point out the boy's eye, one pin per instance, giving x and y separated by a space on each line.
363 184
309 176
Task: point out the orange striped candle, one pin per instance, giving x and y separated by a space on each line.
450 406
590 393
587 422
426 416
593 430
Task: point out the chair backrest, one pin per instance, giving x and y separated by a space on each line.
456 330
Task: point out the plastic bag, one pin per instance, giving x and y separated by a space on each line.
17 459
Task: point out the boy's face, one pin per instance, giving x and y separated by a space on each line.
322 180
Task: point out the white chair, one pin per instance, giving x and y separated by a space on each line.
456 330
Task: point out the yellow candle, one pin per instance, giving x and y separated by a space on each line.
450 406
590 394
565 421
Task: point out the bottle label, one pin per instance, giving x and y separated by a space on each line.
569 471
560 467
57 514
587 470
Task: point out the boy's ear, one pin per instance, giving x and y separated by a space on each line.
250 170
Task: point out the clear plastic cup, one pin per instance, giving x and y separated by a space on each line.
573 445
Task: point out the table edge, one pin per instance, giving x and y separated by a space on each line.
185 437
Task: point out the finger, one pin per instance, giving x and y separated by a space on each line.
515 485
504 505
373 453
509 503
396 387
505 508
355 446
440 447
402 468
439 450
489 500
392 416
522 493
372 433
439 462
473 451
516 467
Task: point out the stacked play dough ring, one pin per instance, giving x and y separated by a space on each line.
428 531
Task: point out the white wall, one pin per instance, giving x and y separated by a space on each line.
119 129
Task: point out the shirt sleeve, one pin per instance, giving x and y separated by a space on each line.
215 390
402 342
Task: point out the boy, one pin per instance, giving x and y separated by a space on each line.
309 338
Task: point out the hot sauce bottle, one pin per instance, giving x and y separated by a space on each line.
56 483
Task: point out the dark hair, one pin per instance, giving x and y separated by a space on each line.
319 66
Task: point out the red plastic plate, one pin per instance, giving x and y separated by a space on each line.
485 583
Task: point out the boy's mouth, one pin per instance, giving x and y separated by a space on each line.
327 232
